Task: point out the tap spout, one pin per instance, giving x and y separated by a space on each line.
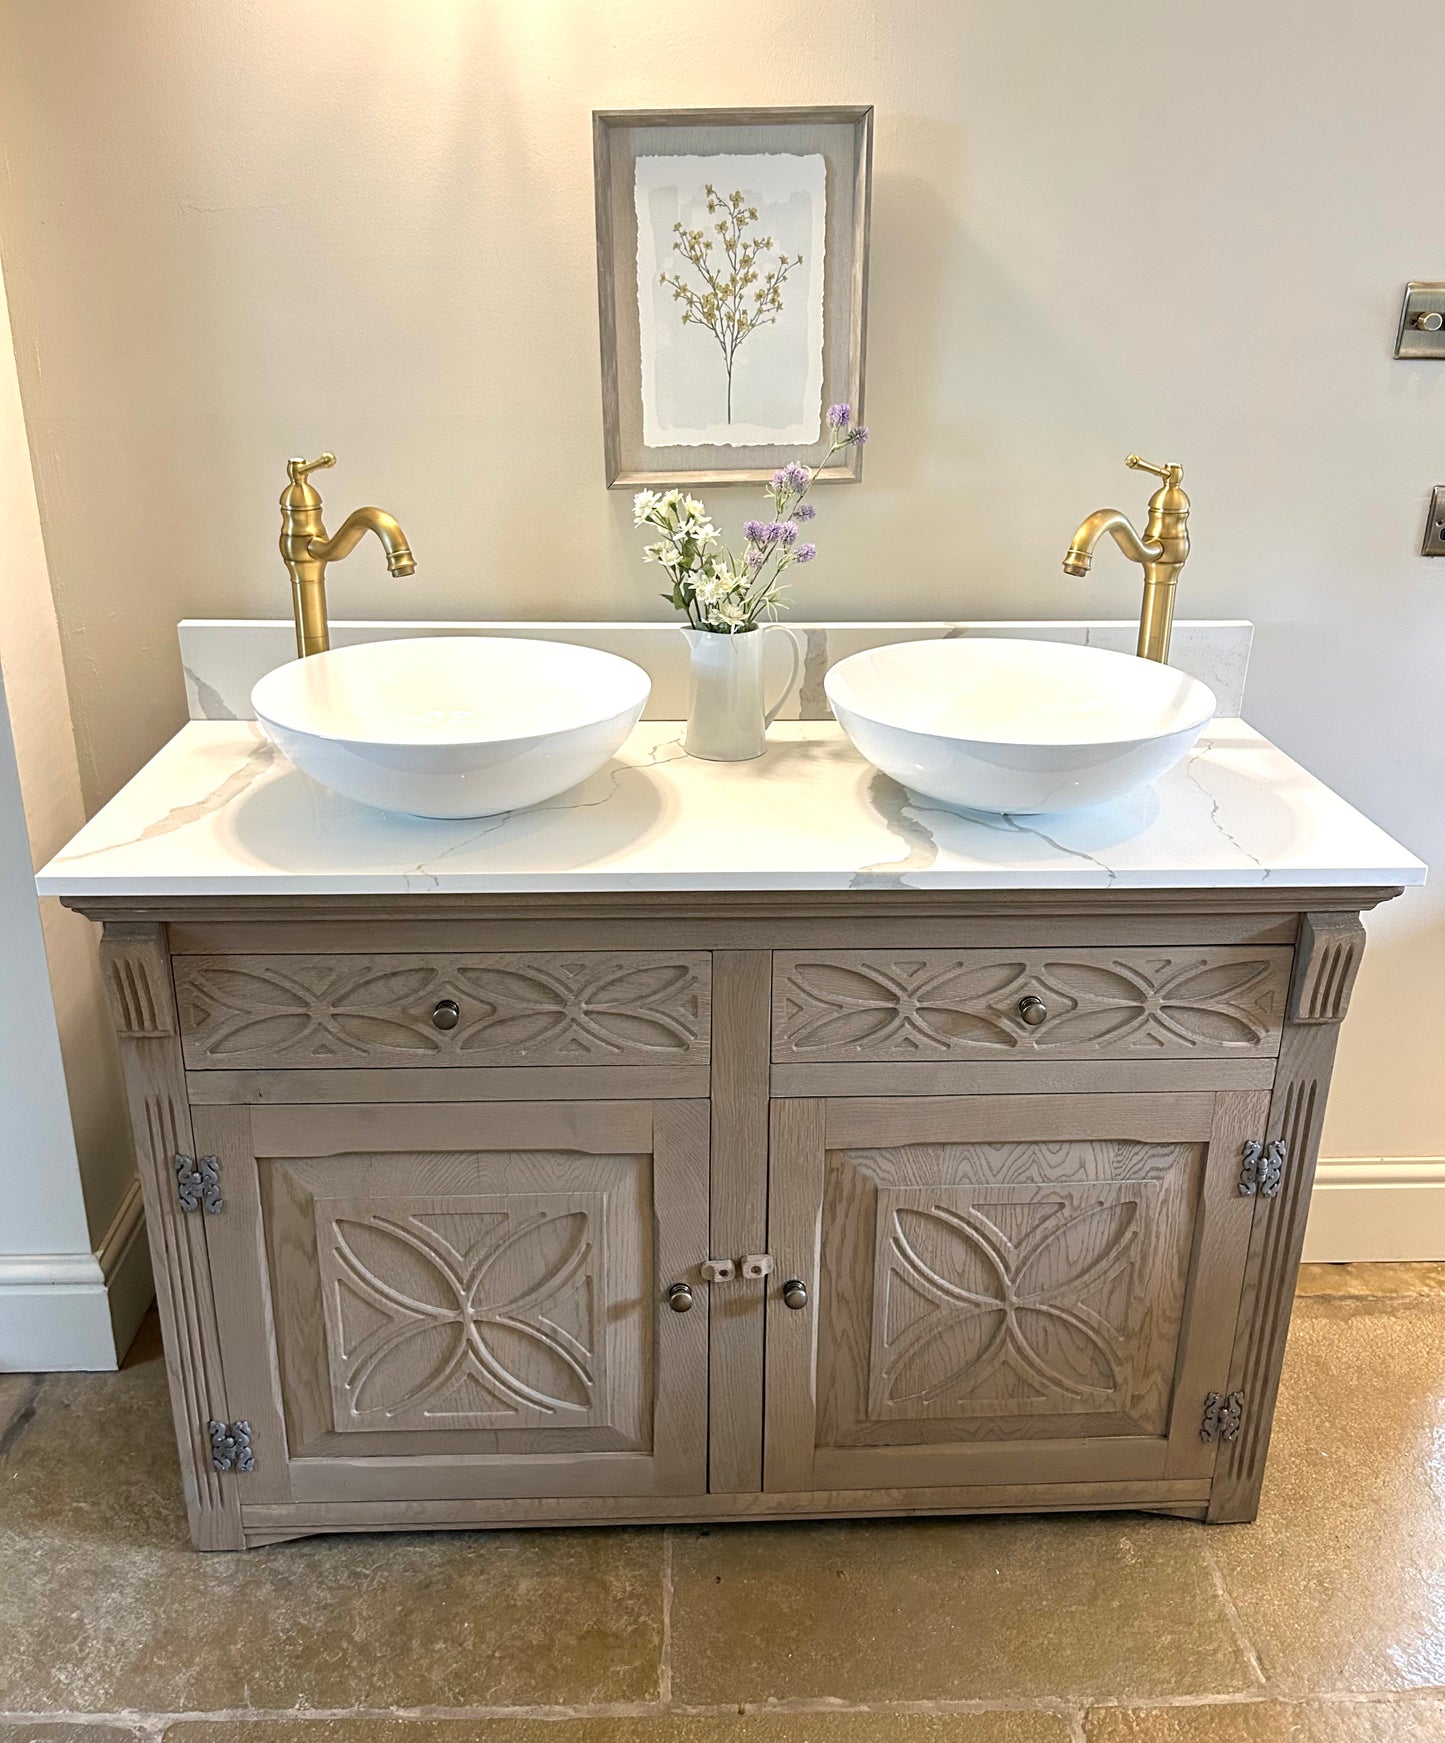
1108 520
350 533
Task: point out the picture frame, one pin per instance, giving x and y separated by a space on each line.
720 355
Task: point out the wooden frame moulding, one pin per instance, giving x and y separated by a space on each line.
136 973
1326 962
730 919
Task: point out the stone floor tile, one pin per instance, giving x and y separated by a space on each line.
17 1393
1378 1721
814 1727
17 1731
106 1607
1340 1583
1378 1280
917 1610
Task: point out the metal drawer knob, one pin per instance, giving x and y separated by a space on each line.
795 1293
447 1014
1033 1010
679 1298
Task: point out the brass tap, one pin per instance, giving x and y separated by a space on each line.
1161 552
307 550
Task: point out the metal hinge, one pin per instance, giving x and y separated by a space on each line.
1222 1416
1262 1169
198 1184
231 1447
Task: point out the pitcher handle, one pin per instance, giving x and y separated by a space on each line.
795 642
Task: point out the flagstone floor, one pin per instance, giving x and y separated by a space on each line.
1323 1622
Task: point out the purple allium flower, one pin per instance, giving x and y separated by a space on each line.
754 557
753 531
789 534
804 511
805 553
796 476
780 480
860 434
839 416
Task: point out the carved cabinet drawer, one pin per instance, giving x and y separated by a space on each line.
593 1008
1190 1002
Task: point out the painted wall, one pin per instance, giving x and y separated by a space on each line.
69 1202
237 233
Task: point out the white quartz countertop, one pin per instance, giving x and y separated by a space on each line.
219 811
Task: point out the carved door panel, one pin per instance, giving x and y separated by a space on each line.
462 1301
1005 1289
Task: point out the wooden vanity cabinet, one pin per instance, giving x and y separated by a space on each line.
509 1210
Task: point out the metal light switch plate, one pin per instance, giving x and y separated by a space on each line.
1422 321
1434 542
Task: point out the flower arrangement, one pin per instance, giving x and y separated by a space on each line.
718 591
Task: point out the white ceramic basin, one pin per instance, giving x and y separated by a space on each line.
1017 726
452 726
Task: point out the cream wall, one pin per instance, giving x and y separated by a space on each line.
235 233
73 1276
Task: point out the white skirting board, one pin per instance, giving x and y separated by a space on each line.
63 1311
1377 1208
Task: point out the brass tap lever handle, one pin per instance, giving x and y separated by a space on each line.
1171 474
297 469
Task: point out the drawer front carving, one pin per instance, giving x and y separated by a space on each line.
1209 1002
565 1008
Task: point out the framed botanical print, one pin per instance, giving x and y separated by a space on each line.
732 287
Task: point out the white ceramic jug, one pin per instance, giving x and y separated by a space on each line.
727 716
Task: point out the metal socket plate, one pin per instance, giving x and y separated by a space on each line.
1420 299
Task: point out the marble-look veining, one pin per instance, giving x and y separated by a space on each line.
223 658
218 812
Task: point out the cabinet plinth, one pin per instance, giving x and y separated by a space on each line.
862 1205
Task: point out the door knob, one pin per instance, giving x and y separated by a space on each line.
1033 1010
679 1298
447 1014
795 1293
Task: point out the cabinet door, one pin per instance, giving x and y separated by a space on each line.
1005 1289
441 1302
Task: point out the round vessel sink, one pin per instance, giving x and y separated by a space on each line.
452 726
1017 727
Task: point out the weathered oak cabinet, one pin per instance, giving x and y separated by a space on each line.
522 1209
